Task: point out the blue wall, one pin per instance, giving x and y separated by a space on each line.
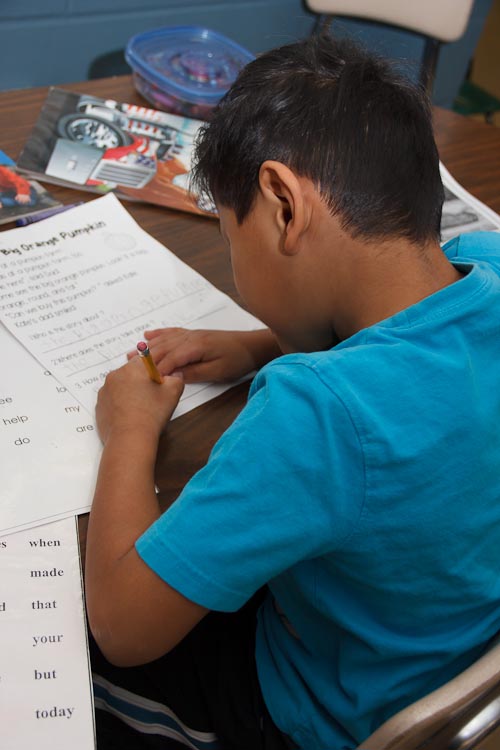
54 41
46 42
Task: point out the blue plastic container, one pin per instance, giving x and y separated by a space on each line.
185 69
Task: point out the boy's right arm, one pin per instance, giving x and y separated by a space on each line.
209 355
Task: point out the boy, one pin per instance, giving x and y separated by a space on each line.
357 492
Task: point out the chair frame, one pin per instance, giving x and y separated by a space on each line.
448 25
456 716
430 55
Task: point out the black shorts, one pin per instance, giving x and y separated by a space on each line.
204 694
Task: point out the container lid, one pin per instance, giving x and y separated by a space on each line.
191 62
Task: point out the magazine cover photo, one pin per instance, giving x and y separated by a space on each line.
20 197
103 145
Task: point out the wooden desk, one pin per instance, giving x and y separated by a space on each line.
469 149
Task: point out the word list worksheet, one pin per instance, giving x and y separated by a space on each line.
45 685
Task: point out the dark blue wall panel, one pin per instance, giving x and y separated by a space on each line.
59 47
26 10
46 42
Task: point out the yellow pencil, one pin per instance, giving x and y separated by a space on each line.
145 355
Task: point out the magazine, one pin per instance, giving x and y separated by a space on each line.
101 145
20 197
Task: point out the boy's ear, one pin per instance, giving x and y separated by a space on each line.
284 197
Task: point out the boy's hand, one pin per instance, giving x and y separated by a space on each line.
210 356
130 400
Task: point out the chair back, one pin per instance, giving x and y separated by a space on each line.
444 20
456 716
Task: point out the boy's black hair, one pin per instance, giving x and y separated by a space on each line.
340 116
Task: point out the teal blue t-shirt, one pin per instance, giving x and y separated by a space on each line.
363 485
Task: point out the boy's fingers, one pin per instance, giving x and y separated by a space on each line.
152 332
163 333
177 359
160 347
200 372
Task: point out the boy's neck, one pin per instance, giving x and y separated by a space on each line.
382 278
354 283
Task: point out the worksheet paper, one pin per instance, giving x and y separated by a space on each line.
46 697
48 443
462 212
79 289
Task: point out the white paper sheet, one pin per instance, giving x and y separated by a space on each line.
48 444
45 685
79 289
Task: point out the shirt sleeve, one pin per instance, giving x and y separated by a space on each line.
284 484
